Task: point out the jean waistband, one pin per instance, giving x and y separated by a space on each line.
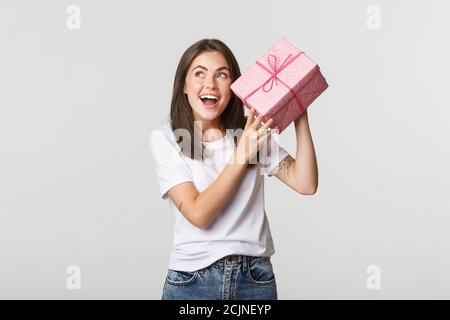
233 260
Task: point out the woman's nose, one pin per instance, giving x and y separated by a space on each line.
210 83
211 86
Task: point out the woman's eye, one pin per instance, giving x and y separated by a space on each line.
222 74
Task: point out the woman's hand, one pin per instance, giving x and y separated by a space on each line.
252 138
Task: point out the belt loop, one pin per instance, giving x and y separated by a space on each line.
244 263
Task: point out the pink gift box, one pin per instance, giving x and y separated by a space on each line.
281 84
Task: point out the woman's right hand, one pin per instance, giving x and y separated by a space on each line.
253 137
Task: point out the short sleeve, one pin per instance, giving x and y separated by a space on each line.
271 154
170 167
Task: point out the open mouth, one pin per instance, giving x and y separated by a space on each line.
209 101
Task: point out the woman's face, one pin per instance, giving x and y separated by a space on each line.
208 77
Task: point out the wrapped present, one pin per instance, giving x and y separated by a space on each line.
281 84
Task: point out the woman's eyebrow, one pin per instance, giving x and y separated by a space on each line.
221 68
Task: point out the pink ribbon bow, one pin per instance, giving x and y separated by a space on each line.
272 61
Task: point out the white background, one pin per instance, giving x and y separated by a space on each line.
77 183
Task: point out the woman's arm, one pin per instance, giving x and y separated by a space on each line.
301 174
200 208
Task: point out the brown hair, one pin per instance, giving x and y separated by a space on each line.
181 116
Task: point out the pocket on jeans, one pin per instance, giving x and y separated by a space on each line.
180 278
260 271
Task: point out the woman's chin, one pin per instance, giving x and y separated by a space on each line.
209 114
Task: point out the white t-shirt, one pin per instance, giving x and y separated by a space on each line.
241 226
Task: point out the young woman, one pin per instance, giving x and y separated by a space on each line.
213 180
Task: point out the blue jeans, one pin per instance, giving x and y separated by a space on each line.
233 277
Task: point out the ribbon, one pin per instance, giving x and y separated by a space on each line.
274 71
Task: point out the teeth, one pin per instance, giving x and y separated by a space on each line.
207 96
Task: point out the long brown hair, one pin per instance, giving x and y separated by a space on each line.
181 115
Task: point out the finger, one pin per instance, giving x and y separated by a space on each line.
250 117
264 137
267 124
258 121
262 131
265 128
